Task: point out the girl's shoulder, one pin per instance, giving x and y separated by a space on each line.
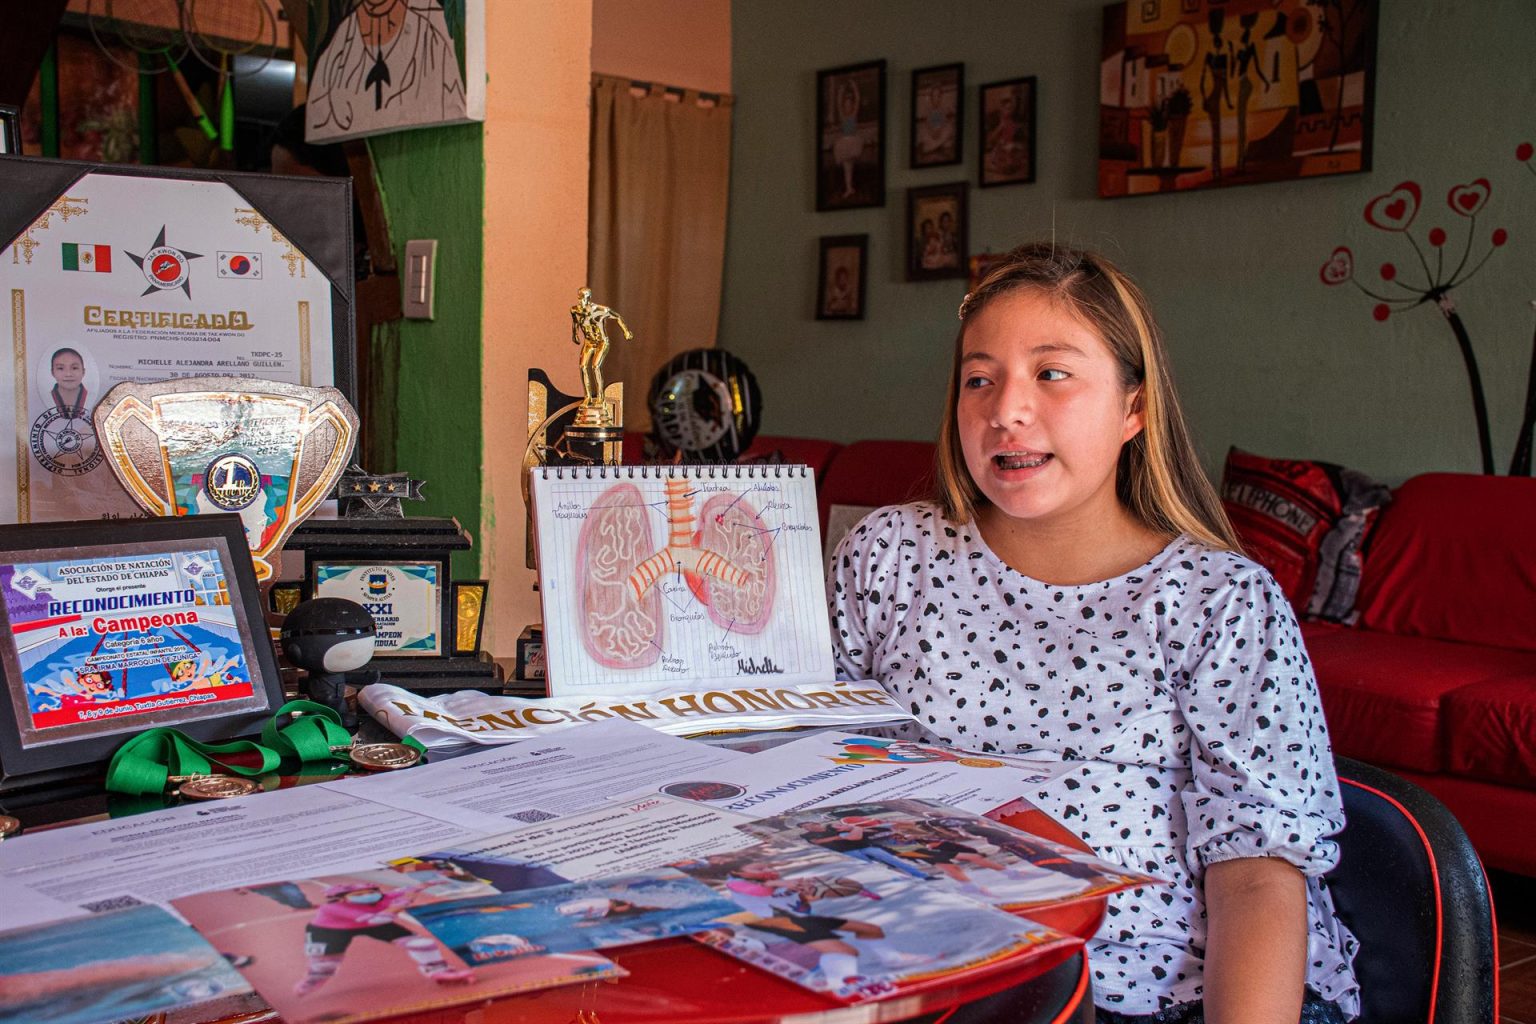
915 521
1211 575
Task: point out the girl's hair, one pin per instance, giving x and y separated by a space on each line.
1159 478
64 351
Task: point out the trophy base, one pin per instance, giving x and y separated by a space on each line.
433 675
598 446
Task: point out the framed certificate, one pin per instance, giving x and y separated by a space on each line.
157 623
407 600
116 274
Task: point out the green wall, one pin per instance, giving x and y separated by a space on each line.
1266 357
433 184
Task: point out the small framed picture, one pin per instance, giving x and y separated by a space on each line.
850 136
10 129
105 632
407 600
840 282
469 615
938 115
981 265
1008 132
936 242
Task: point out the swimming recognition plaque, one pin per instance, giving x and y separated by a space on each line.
265 450
159 626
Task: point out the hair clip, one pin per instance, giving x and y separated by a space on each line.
963 303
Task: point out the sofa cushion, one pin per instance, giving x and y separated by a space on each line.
1453 557
1306 522
1384 695
1491 729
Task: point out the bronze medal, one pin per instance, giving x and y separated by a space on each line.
9 826
216 787
384 757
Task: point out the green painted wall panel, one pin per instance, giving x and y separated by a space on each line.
433 183
1267 358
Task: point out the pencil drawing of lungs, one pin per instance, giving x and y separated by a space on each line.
731 527
617 630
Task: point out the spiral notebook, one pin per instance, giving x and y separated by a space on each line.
657 578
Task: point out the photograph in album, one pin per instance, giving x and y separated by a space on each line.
663 577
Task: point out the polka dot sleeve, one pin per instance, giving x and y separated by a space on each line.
854 601
1264 783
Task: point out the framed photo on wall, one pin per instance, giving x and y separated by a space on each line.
104 633
936 232
840 280
938 115
850 136
1008 132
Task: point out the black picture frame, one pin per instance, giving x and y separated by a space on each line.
10 129
838 298
31 753
313 213
937 123
1006 146
934 253
850 136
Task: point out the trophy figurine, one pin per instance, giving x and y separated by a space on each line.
589 331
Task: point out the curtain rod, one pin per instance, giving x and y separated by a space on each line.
672 93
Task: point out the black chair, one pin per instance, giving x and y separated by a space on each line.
1411 888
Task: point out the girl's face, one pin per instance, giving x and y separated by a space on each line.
1041 412
68 369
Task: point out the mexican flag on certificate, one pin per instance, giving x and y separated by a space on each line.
96 259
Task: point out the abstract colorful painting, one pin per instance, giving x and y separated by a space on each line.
1206 93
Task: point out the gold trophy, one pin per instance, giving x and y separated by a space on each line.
595 423
564 430
265 450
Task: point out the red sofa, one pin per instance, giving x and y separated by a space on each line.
1437 680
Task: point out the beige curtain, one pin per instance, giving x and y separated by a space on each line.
661 161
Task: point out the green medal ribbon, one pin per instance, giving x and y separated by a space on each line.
315 729
144 764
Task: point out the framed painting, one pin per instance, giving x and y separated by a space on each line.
936 232
1007 132
388 65
850 136
840 280
1200 94
938 115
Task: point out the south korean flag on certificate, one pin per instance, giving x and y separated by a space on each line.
240 264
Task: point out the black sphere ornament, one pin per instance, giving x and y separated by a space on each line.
328 637
706 404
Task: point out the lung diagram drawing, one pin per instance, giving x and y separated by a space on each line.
718 563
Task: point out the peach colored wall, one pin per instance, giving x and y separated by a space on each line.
674 42
536 137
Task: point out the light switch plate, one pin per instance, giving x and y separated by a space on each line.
420 266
